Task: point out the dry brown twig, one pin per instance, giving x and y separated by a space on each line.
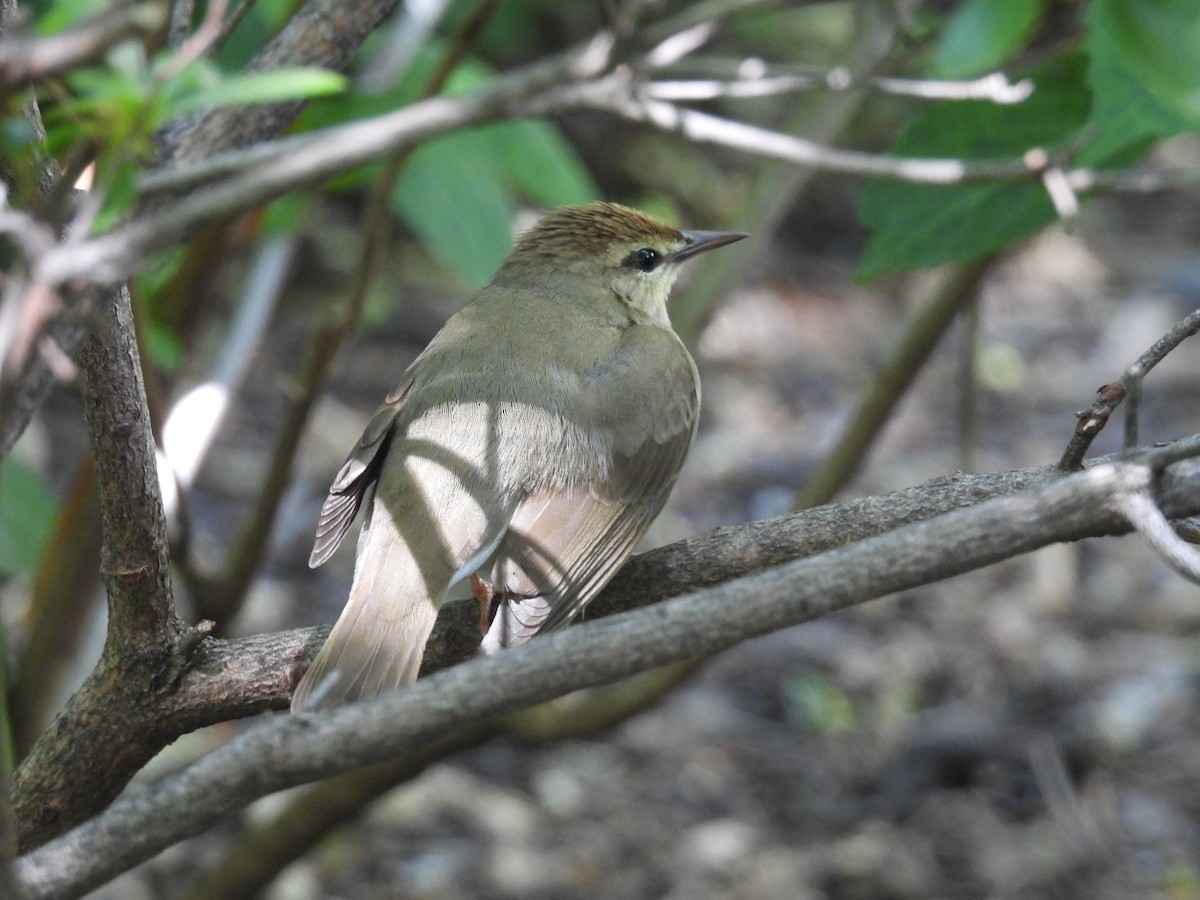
1093 419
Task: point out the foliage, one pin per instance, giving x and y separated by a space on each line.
1135 80
27 511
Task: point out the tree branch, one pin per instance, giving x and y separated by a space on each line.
25 59
569 82
292 750
322 33
239 677
146 648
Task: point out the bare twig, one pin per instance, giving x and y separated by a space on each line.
180 22
199 43
291 750
1138 506
760 80
24 59
114 255
1093 419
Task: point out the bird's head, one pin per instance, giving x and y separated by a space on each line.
603 249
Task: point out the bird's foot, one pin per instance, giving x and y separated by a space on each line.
485 593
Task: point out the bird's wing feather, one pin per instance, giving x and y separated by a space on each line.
355 477
564 545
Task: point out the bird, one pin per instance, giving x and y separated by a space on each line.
524 453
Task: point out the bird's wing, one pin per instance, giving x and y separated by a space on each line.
562 546
355 477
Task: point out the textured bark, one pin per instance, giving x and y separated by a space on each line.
286 751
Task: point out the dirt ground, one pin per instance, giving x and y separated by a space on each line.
1028 731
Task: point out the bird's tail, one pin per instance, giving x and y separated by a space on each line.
379 639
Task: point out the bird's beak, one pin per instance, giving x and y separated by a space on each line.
701 241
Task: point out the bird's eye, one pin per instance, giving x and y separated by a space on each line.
646 259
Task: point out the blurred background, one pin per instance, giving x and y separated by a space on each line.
1031 730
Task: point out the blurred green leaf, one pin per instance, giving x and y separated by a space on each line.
921 225
163 346
27 512
459 193
260 24
1145 67
64 13
284 215
983 34
543 165
452 195
183 97
813 699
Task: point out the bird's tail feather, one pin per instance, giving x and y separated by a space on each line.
379 639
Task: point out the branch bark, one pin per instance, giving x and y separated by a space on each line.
237 677
105 726
288 751
25 59
146 645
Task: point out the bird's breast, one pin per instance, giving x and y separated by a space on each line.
518 447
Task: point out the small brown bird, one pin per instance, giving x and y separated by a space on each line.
523 455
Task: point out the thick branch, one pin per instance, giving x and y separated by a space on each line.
56 786
288 751
105 727
243 676
134 558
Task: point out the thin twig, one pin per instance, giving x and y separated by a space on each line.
268 170
180 23
1109 396
1138 506
759 80
24 60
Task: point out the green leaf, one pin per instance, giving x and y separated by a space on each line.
64 13
542 164
284 215
255 87
164 346
1145 67
921 225
27 512
815 700
452 195
983 34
